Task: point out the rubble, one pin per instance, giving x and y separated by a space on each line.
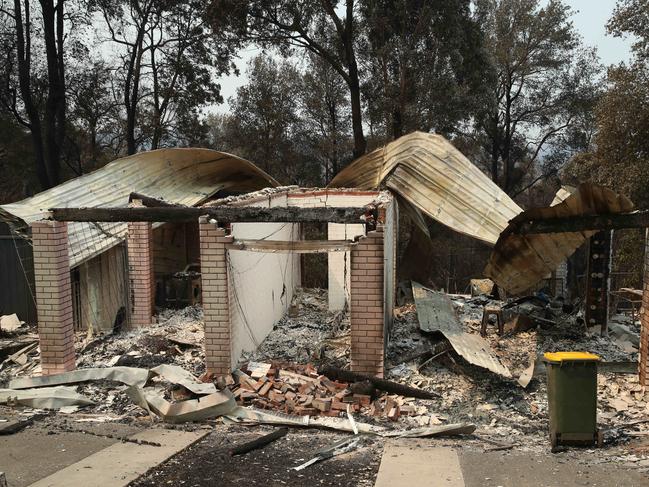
10 322
314 334
289 381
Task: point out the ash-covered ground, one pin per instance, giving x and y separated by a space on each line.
505 413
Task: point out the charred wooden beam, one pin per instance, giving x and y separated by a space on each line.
598 281
225 214
610 221
381 384
151 202
259 442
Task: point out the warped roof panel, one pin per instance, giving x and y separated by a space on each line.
183 176
434 177
520 261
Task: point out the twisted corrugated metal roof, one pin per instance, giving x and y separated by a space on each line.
432 176
184 176
436 178
520 261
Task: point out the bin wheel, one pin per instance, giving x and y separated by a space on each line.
600 439
554 441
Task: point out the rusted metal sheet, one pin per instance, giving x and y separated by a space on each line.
434 177
436 313
520 261
183 176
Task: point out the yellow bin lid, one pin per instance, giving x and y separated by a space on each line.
560 357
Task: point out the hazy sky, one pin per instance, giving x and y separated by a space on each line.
590 20
590 17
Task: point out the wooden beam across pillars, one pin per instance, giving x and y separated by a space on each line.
575 223
222 214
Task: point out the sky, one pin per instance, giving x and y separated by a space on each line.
589 18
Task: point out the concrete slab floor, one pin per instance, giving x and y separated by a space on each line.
40 450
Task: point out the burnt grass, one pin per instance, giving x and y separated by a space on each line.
208 462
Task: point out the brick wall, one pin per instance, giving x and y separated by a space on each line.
644 330
367 318
53 296
140 272
216 308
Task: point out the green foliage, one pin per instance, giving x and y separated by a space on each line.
266 111
541 94
413 52
632 17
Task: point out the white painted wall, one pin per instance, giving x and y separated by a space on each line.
261 284
338 264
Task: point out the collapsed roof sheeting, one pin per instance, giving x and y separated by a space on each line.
182 176
434 177
520 261
435 313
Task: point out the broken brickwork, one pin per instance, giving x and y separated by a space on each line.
216 307
366 307
140 273
644 327
53 296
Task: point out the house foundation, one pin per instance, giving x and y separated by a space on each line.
53 296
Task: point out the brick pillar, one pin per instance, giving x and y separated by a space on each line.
216 308
53 296
140 272
644 320
367 318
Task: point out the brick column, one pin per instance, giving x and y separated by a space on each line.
139 244
367 318
644 320
216 308
53 296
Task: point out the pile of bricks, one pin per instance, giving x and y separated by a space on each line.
300 390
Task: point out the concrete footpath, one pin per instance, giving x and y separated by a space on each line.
121 463
407 463
413 463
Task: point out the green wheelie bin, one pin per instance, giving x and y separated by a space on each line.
572 398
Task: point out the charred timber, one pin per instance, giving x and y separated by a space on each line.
380 384
259 442
223 214
151 202
611 221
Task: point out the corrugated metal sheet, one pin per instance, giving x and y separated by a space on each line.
520 261
434 177
185 176
436 313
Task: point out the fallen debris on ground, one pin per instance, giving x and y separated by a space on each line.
259 442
